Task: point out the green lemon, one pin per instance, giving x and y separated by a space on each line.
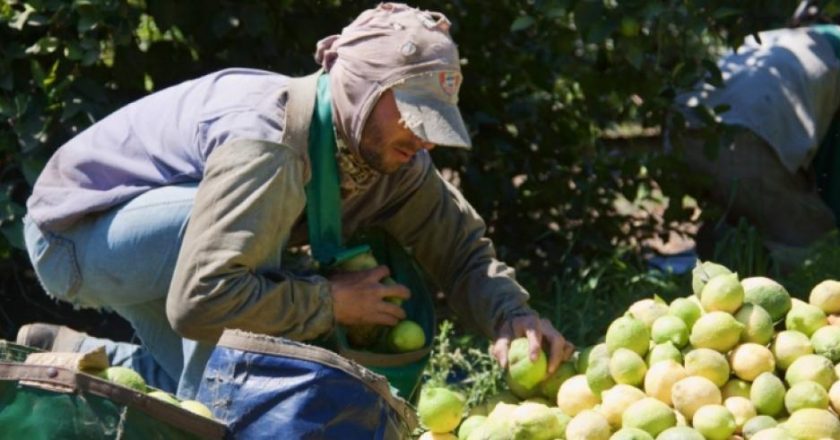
650 415
768 294
166 397
440 409
703 272
669 329
627 332
197 407
722 293
715 422
406 336
522 370
126 377
707 363
758 325
806 394
789 346
716 330
627 367
767 394
685 309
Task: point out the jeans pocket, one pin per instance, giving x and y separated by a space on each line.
54 260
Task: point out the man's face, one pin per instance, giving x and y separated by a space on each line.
386 143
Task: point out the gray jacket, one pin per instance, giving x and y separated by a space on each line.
248 209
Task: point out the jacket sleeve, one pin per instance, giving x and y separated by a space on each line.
229 273
446 236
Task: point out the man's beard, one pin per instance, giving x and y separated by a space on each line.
374 160
370 150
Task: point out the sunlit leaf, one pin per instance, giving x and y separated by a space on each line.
521 23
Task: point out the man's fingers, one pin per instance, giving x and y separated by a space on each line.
387 316
500 351
502 344
534 336
557 346
386 319
377 273
392 310
394 291
568 351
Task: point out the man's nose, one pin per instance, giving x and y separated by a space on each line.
427 145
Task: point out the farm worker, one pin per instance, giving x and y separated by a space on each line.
174 211
781 169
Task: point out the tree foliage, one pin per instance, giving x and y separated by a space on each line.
546 82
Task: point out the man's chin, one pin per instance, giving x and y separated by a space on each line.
388 170
383 167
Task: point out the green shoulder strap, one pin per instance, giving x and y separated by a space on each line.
323 198
826 163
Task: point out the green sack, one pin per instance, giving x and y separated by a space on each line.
323 212
44 402
403 370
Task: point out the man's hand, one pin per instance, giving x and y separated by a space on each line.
359 298
535 329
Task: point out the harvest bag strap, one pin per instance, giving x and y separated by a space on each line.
323 198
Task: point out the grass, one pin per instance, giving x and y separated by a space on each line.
463 362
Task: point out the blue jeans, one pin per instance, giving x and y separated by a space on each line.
123 259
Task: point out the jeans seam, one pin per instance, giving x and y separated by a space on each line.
157 204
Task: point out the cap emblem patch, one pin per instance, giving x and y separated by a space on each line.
450 82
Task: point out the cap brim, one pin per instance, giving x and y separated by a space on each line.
432 119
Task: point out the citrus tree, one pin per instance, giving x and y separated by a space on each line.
548 84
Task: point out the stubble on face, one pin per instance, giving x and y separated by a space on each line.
370 148
387 144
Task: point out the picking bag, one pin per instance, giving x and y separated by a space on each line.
323 212
265 387
403 370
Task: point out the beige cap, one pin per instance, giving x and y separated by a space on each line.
407 50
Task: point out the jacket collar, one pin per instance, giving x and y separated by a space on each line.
299 107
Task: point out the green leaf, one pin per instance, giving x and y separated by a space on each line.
22 101
37 73
89 19
45 45
726 12
71 108
14 234
521 23
635 55
714 77
6 107
601 29
31 169
148 82
73 51
6 80
19 21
